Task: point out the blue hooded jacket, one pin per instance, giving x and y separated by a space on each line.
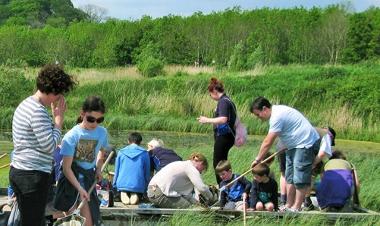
132 169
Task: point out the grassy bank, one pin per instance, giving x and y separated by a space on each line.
188 219
344 97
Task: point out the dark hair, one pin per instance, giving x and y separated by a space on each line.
215 84
266 156
259 103
332 134
135 138
338 155
261 169
52 79
223 165
92 103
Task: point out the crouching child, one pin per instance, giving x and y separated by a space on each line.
339 185
132 171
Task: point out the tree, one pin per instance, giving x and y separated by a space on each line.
374 45
94 13
359 37
56 21
333 33
238 59
255 58
65 9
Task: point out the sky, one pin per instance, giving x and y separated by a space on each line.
135 9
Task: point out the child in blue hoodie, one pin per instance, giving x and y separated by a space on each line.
132 170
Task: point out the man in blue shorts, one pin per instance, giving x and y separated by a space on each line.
301 139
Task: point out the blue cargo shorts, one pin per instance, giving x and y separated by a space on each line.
299 163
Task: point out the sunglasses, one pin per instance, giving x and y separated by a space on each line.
92 119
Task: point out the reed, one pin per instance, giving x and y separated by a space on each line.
344 97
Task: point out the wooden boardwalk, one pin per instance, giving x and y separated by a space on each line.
124 215
125 212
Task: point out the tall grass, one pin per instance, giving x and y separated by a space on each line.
96 75
344 97
190 70
213 219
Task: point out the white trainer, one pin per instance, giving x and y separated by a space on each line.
134 199
124 198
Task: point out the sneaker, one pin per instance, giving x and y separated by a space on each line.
291 210
124 198
308 207
134 199
282 208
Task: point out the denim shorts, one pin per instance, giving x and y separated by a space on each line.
298 166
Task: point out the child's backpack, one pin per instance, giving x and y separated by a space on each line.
105 193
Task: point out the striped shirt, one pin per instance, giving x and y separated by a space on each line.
34 137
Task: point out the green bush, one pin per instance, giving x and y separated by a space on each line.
149 62
14 87
238 58
255 58
35 59
150 67
332 72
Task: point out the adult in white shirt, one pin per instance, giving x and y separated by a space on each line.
301 139
174 185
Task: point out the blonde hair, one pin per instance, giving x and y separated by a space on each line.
156 143
199 157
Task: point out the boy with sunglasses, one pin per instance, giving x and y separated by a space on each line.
83 150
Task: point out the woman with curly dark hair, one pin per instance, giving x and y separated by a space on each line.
35 136
223 122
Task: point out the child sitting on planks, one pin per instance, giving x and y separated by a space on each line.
232 197
132 170
263 194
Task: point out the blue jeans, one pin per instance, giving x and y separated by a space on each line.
299 163
31 190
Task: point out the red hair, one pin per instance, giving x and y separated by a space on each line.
215 84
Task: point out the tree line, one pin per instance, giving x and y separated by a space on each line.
234 38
